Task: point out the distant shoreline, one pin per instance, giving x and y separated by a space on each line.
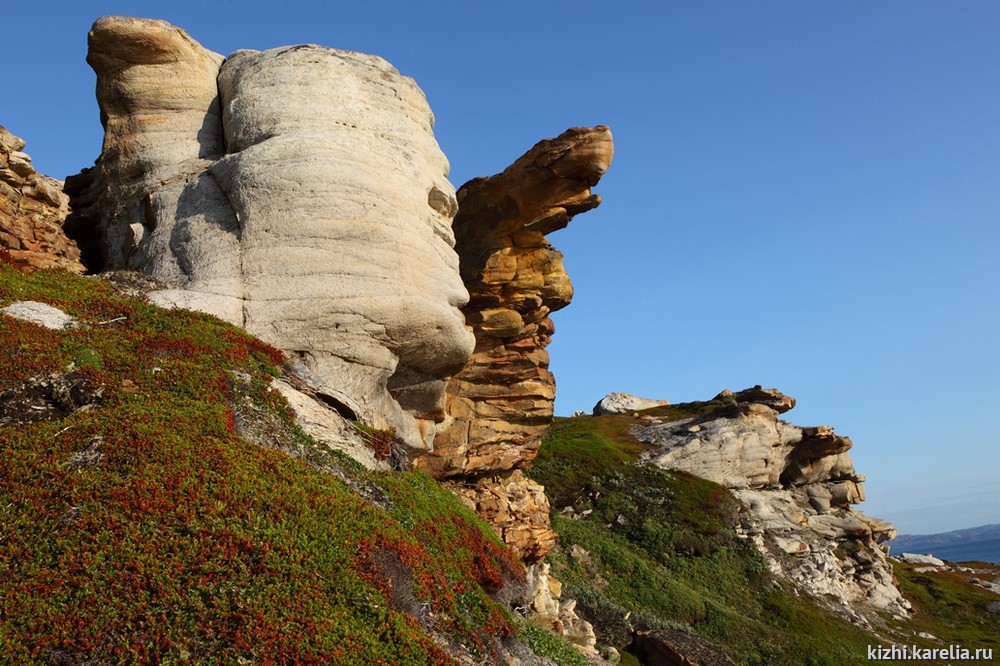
978 544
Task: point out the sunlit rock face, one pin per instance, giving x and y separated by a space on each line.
501 403
799 486
297 192
33 210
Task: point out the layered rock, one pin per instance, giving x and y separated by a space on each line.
500 404
33 209
799 485
322 227
624 403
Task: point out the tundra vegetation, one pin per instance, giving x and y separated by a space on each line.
138 526
645 548
158 504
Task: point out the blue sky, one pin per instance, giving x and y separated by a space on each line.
804 195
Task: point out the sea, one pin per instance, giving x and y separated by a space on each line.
985 550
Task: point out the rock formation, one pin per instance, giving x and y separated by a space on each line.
799 485
322 227
325 228
501 403
515 506
624 403
33 209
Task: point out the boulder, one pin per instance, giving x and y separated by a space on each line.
914 558
33 210
42 314
322 227
625 403
500 403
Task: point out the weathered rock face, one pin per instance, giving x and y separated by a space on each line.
623 403
743 444
33 209
551 612
799 485
515 506
322 227
500 404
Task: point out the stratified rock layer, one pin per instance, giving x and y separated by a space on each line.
33 209
500 404
799 485
297 192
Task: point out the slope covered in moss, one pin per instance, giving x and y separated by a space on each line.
137 526
643 548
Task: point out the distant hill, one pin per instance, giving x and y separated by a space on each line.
975 543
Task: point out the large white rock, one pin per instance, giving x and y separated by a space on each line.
914 558
298 192
798 485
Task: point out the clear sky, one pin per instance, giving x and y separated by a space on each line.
804 195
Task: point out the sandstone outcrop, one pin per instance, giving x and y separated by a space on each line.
625 403
322 227
500 404
799 485
515 506
33 209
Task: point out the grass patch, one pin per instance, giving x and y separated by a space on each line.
949 607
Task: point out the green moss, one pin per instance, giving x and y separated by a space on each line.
182 542
546 644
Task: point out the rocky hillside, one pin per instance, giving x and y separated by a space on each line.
159 505
663 564
229 481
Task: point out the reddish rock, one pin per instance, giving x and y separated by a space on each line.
33 209
500 405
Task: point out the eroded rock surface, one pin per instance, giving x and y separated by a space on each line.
500 404
33 209
547 609
323 226
515 506
799 485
